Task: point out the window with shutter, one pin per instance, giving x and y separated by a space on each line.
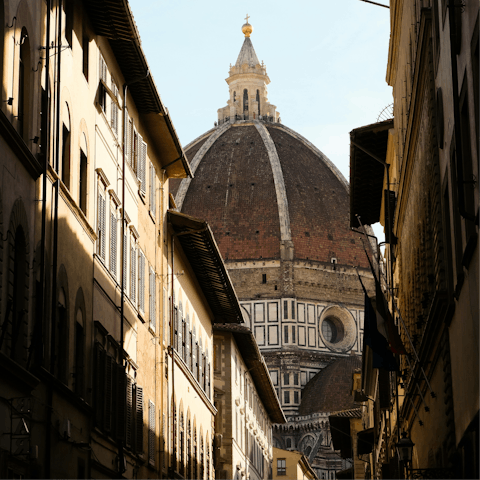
102 92
129 423
141 281
101 233
188 353
125 259
113 242
142 164
204 367
133 271
99 382
153 191
109 374
194 353
166 339
151 433
120 396
114 108
128 146
184 339
134 150
139 419
208 381
153 299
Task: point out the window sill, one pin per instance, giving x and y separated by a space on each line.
142 196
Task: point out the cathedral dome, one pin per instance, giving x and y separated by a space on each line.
269 194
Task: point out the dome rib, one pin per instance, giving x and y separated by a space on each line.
280 190
182 190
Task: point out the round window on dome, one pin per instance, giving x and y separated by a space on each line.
337 329
332 330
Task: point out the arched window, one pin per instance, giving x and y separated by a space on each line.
189 447
234 96
207 456
195 450
188 341
24 78
258 101
65 167
61 337
289 443
202 458
181 439
82 178
19 319
245 101
79 354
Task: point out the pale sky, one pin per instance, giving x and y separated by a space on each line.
326 61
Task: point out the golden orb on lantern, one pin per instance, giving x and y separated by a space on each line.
247 29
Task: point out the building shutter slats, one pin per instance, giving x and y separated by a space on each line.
109 373
142 163
125 250
128 149
141 281
151 432
129 413
153 299
153 190
99 379
139 419
133 273
113 243
121 401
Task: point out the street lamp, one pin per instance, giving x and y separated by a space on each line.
405 448
404 451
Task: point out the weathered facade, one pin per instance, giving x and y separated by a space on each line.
279 211
92 268
431 224
247 406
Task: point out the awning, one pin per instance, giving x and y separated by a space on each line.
366 173
200 248
365 441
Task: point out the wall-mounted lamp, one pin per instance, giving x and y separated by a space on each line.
35 139
405 448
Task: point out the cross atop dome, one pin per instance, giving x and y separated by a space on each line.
247 29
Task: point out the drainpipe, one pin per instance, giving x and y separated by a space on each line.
55 244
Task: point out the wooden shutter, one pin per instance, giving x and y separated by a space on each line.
109 373
121 401
101 223
103 69
129 425
153 299
139 419
208 390
151 432
133 272
125 254
99 382
194 353
188 334
129 147
142 163
153 190
141 281
113 243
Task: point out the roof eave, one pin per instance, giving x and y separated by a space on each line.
113 20
367 173
201 250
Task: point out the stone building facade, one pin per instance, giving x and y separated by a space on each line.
89 258
431 222
279 209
